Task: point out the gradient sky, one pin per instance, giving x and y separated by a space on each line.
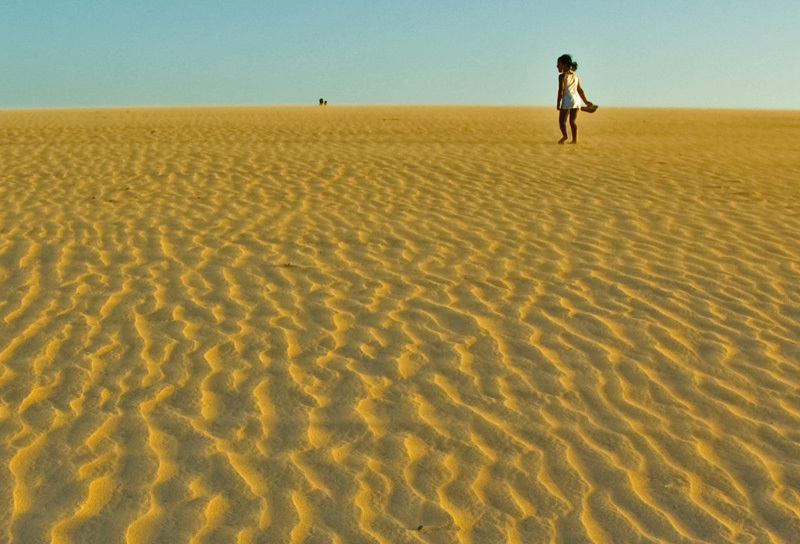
676 53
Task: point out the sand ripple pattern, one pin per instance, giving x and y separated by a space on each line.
391 325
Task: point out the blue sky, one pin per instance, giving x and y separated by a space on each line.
680 53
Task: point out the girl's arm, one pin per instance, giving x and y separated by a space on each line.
583 96
560 91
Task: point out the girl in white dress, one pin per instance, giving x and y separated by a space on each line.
570 98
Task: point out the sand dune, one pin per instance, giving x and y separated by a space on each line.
388 325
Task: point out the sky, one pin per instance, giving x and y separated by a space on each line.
676 53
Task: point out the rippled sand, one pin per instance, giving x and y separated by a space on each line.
389 325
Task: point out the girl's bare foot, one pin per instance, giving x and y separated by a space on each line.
562 140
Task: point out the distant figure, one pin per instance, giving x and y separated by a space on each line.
570 98
321 102
325 103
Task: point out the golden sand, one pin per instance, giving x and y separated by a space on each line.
390 325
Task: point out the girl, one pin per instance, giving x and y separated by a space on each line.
570 98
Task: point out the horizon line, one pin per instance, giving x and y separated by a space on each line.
358 105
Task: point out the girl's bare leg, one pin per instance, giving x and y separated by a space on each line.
573 124
562 124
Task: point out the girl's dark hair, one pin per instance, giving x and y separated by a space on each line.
567 59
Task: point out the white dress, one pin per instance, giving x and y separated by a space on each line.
571 99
